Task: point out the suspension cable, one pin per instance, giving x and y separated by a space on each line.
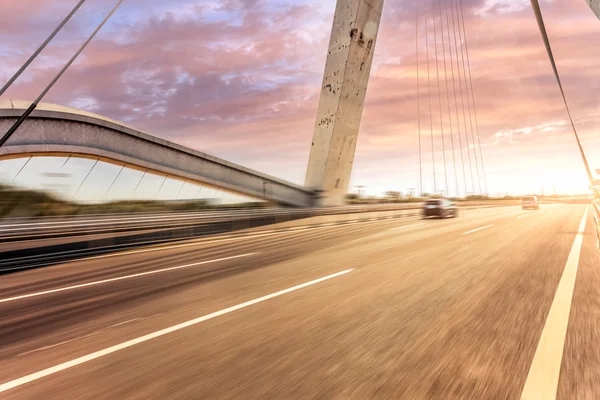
418 99
437 67
462 52
540 20
430 107
462 158
462 96
473 99
39 50
33 105
448 98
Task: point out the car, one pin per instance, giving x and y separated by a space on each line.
530 202
440 208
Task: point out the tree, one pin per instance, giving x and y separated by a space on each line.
392 194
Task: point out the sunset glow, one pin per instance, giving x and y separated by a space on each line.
240 80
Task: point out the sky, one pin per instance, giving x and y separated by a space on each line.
240 79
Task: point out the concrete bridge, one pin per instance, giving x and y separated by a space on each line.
595 5
54 130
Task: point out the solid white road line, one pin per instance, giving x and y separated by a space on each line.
77 361
120 278
544 372
478 229
407 226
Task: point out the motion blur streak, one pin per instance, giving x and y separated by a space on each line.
426 313
157 271
49 371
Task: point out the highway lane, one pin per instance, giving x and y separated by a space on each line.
315 232
426 312
82 223
37 229
38 222
90 236
17 230
90 231
37 254
52 248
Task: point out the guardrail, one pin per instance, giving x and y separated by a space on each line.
43 228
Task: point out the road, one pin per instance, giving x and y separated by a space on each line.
47 241
465 308
37 228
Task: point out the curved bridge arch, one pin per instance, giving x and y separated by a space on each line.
54 130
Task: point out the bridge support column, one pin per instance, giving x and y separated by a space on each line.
351 47
595 5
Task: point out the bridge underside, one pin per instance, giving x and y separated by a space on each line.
66 132
94 178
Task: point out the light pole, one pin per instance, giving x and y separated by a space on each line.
360 187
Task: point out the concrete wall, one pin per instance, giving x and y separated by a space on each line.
347 70
595 5
52 131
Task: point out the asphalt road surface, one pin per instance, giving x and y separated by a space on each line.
498 303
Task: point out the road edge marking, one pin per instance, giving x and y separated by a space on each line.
544 371
121 346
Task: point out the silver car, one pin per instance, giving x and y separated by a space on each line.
530 202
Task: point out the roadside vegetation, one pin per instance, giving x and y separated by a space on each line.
17 202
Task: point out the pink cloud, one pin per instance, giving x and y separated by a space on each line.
247 88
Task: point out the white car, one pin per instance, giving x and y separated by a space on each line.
530 202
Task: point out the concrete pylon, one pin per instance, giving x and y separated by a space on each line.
595 5
351 47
